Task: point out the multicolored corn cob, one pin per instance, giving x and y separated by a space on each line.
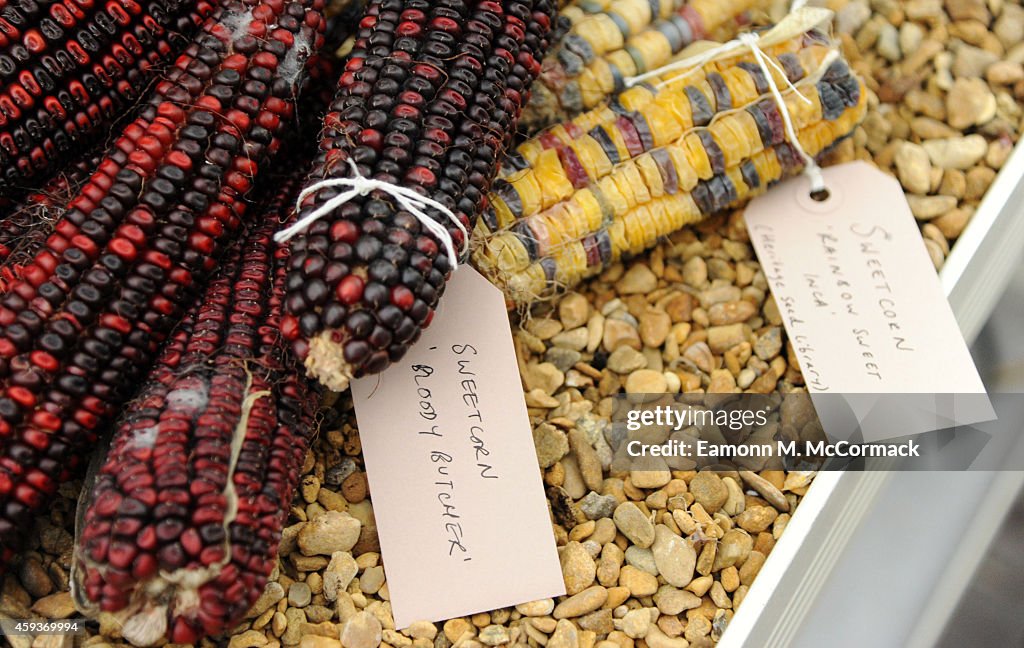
184 518
429 100
584 206
139 240
659 111
623 38
69 69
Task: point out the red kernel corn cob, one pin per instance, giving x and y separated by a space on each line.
142 236
184 519
68 71
429 100
25 228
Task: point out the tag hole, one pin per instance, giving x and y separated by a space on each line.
821 195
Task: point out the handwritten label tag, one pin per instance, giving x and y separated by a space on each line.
863 306
457 493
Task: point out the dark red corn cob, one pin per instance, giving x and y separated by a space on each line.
186 513
25 228
69 69
88 315
429 99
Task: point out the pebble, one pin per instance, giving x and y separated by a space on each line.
582 603
618 333
422 630
362 631
674 556
595 506
372 580
270 596
733 548
723 338
928 207
638 280
646 381
638 582
625 360
541 607
641 559
756 519
913 167
651 476
250 639
654 327
633 524
34 578
769 343
953 222
562 358
587 459
709 491
316 641
731 312
578 568
339 573
674 601
852 16
55 606
551 444
329 532
766 489
636 623
494 635
575 339
456 629
573 310
299 595
565 636
1009 28
695 272
970 102
956 152
888 44
700 355
543 376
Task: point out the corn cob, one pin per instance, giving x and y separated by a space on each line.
67 75
23 231
660 111
570 216
183 521
139 240
429 99
623 39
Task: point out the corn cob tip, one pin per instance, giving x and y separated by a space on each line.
326 361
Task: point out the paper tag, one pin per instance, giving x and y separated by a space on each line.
863 306
457 494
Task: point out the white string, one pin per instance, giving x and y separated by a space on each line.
811 168
360 185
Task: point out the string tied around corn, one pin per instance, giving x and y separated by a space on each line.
800 18
359 185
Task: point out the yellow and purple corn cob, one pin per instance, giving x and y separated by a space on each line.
613 193
181 528
659 111
620 39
